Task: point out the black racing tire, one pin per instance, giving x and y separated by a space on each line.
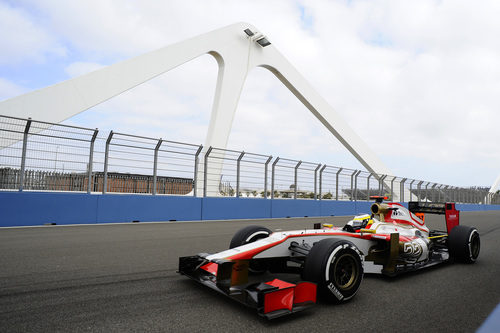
336 266
464 244
248 235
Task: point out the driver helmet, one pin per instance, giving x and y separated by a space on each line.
361 221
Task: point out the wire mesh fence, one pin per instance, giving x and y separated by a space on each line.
41 156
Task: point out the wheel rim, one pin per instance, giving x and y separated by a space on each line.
345 271
256 236
474 246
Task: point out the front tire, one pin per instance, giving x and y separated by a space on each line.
248 235
464 244
336 266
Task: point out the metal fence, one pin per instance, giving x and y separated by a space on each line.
36 155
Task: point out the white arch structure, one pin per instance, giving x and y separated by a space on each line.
236 54
496 185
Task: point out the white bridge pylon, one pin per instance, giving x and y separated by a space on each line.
494 188
236 54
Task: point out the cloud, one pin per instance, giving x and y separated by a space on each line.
9 89
23 39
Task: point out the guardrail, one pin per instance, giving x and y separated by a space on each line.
42 156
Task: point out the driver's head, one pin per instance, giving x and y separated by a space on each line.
362 221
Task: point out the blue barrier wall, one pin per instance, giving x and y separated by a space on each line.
235 208
38 208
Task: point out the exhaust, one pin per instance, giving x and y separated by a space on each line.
380 209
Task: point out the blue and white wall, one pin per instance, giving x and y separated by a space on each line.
38 208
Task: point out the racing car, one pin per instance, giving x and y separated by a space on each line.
331 260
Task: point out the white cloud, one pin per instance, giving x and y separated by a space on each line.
22 39
417 80
9 89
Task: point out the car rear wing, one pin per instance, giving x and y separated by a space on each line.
448 209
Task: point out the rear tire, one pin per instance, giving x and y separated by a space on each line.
336 266
248 235
464 244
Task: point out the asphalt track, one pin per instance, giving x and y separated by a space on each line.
122 278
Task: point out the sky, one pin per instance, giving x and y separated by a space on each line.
419 81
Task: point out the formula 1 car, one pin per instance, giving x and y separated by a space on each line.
331 260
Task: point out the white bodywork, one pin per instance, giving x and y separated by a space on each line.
279 243
236 55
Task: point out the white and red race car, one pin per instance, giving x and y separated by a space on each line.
331 260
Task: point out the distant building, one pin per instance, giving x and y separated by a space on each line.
117 182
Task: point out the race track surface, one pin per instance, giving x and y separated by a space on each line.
122 278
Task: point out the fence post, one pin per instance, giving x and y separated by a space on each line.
238 162
445 193
106 157
205 171
427 191
337 184
155 164
420 190
195 178
380 182
411 188
272 176
356 185
23 156
392 188
321 180
91 161
316 181
352 183
368 186
295 179
265 176
433 187
402 189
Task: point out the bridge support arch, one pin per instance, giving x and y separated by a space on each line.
238 48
